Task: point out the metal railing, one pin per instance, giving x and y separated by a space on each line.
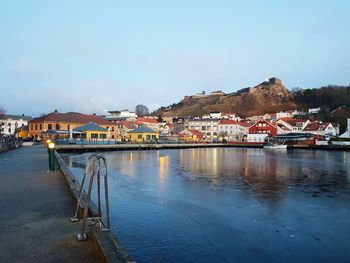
93 168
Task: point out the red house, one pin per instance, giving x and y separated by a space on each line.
263 127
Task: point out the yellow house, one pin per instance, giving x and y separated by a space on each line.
92 131
63 123
143 134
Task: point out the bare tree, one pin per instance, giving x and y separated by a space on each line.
141 110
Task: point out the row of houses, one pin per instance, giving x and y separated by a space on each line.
124 126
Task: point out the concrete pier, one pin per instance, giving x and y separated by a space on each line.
35 210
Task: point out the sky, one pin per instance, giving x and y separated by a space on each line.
93 56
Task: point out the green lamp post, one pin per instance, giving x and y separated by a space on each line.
51 147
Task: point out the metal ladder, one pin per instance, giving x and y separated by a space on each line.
93 168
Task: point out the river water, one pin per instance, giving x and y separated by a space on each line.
229 204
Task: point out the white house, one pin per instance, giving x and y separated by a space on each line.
232 130
291 125
320 128
9 123
121 115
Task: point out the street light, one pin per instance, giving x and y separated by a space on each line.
51 146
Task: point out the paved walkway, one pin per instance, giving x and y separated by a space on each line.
35 208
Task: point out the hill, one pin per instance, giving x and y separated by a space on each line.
269 96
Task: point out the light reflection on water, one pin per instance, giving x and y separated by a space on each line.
229 205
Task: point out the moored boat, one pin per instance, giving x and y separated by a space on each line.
275 146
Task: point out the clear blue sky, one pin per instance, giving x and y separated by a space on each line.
89 56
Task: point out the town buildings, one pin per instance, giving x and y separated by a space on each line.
233 130
62 124
208 127
291 125
320 128
191 136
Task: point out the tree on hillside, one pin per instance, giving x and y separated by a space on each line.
141 110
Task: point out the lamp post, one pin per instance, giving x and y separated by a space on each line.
51 147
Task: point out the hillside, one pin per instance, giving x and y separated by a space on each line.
269 96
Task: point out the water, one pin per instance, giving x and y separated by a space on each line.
229 204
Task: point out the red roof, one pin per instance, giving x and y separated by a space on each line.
195 132
147 120
128 124
292 121
316 126
74 117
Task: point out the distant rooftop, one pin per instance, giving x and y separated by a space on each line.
18 117
90 127
142 129
74 117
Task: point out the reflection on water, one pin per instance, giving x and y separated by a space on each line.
229 205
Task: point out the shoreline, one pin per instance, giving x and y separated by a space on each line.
145 147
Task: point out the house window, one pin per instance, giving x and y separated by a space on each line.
94 135
112 129
68 127
139 136
31 126
57 126
41 126
49 126
103 136
36 126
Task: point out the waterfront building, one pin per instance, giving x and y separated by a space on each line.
260 130
143 134
208 127
62 124
151 123
9 123
91 131
121 115
293 125
190 135
263 127
320 128
232 130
